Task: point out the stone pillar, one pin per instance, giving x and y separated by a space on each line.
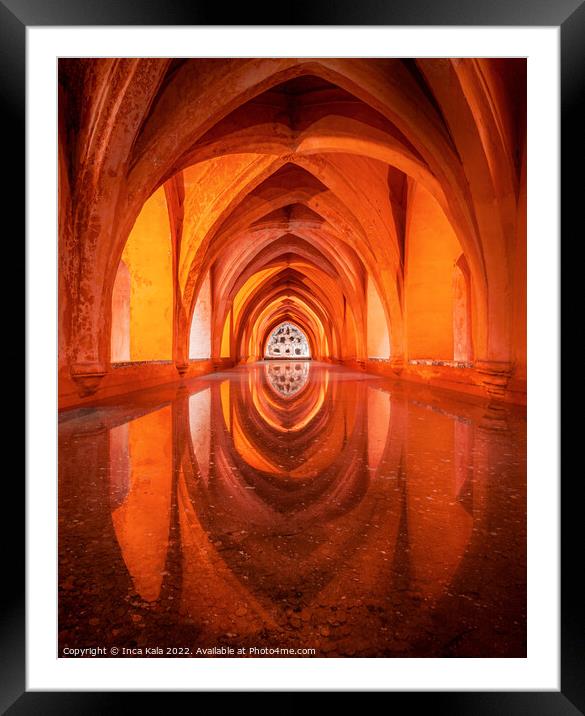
494 377
87 377
397 364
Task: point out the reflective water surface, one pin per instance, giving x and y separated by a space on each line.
294 505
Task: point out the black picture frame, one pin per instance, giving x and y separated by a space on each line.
569 15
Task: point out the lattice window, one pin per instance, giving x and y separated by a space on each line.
287 342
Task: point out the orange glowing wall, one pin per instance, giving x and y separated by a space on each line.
148 255
431 252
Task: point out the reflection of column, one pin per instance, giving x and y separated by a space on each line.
463 455
82 455
172 583
498 457
401 570
486 598
397 427
439 525
89 553
378 425
216 418
495 417
495 564
120 467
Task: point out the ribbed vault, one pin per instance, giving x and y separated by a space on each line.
305 190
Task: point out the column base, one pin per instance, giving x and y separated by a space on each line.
397 365
87 379
181 368
494 376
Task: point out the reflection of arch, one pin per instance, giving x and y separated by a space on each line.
462 341
287 341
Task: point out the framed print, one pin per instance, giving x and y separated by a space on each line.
292 356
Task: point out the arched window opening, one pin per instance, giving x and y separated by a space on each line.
462 344
120 341
142 297
225 350
200 335
287 342
378 336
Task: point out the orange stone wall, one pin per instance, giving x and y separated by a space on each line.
148 256
432 250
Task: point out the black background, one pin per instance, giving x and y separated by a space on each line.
15 16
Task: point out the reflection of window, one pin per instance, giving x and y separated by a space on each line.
287 341
287 379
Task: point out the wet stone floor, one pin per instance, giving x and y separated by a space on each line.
295 506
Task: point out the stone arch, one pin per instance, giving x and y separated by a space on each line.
450 126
